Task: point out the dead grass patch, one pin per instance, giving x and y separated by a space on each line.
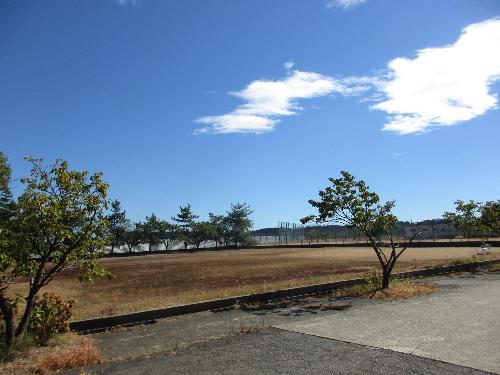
65 352
494 267
163 280
401 289
405 291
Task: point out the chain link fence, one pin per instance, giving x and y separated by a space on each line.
297 234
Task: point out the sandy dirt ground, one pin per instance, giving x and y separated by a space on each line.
156 281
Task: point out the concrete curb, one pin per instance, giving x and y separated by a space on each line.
100 324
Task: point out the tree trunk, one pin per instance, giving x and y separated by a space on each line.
386 276
112 248
8 318
28 311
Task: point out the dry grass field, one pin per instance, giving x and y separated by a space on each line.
155 281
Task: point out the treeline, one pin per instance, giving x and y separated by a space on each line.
229 229
475 218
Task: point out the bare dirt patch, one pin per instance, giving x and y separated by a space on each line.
156 281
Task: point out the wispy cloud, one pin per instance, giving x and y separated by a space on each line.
344 4
128 2
266 101
443 86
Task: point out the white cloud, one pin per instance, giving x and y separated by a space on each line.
127 2
288 66
266 100
344 4
443 86
236 123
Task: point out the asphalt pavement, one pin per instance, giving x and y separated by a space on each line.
454 331
280 352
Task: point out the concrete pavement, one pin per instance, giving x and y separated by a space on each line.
459 325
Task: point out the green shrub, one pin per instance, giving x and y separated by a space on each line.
51 316
372 279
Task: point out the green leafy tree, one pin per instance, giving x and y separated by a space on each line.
168 233
58 225
226 232
218 228
152 231
6 200
465 218
200 232
239 223
350 202
185 219
133 236
118 224
7 204
490 218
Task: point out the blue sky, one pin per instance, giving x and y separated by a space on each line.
212 102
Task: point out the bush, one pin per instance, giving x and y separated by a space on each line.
372 279
51 316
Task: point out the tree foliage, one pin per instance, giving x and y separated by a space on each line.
351 203
200 232
465 218
7 204
59 224
152 231
184 219
475 218
218 231
117 225
237 224
133 236
490 218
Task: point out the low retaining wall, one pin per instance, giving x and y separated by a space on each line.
98 324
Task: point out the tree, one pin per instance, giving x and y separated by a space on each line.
351 203
168 233
5 193
218 228
185 218
152 231
7 256
490 218
200 232
118 224
7 204
466 217
239 223
58 225
133 236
